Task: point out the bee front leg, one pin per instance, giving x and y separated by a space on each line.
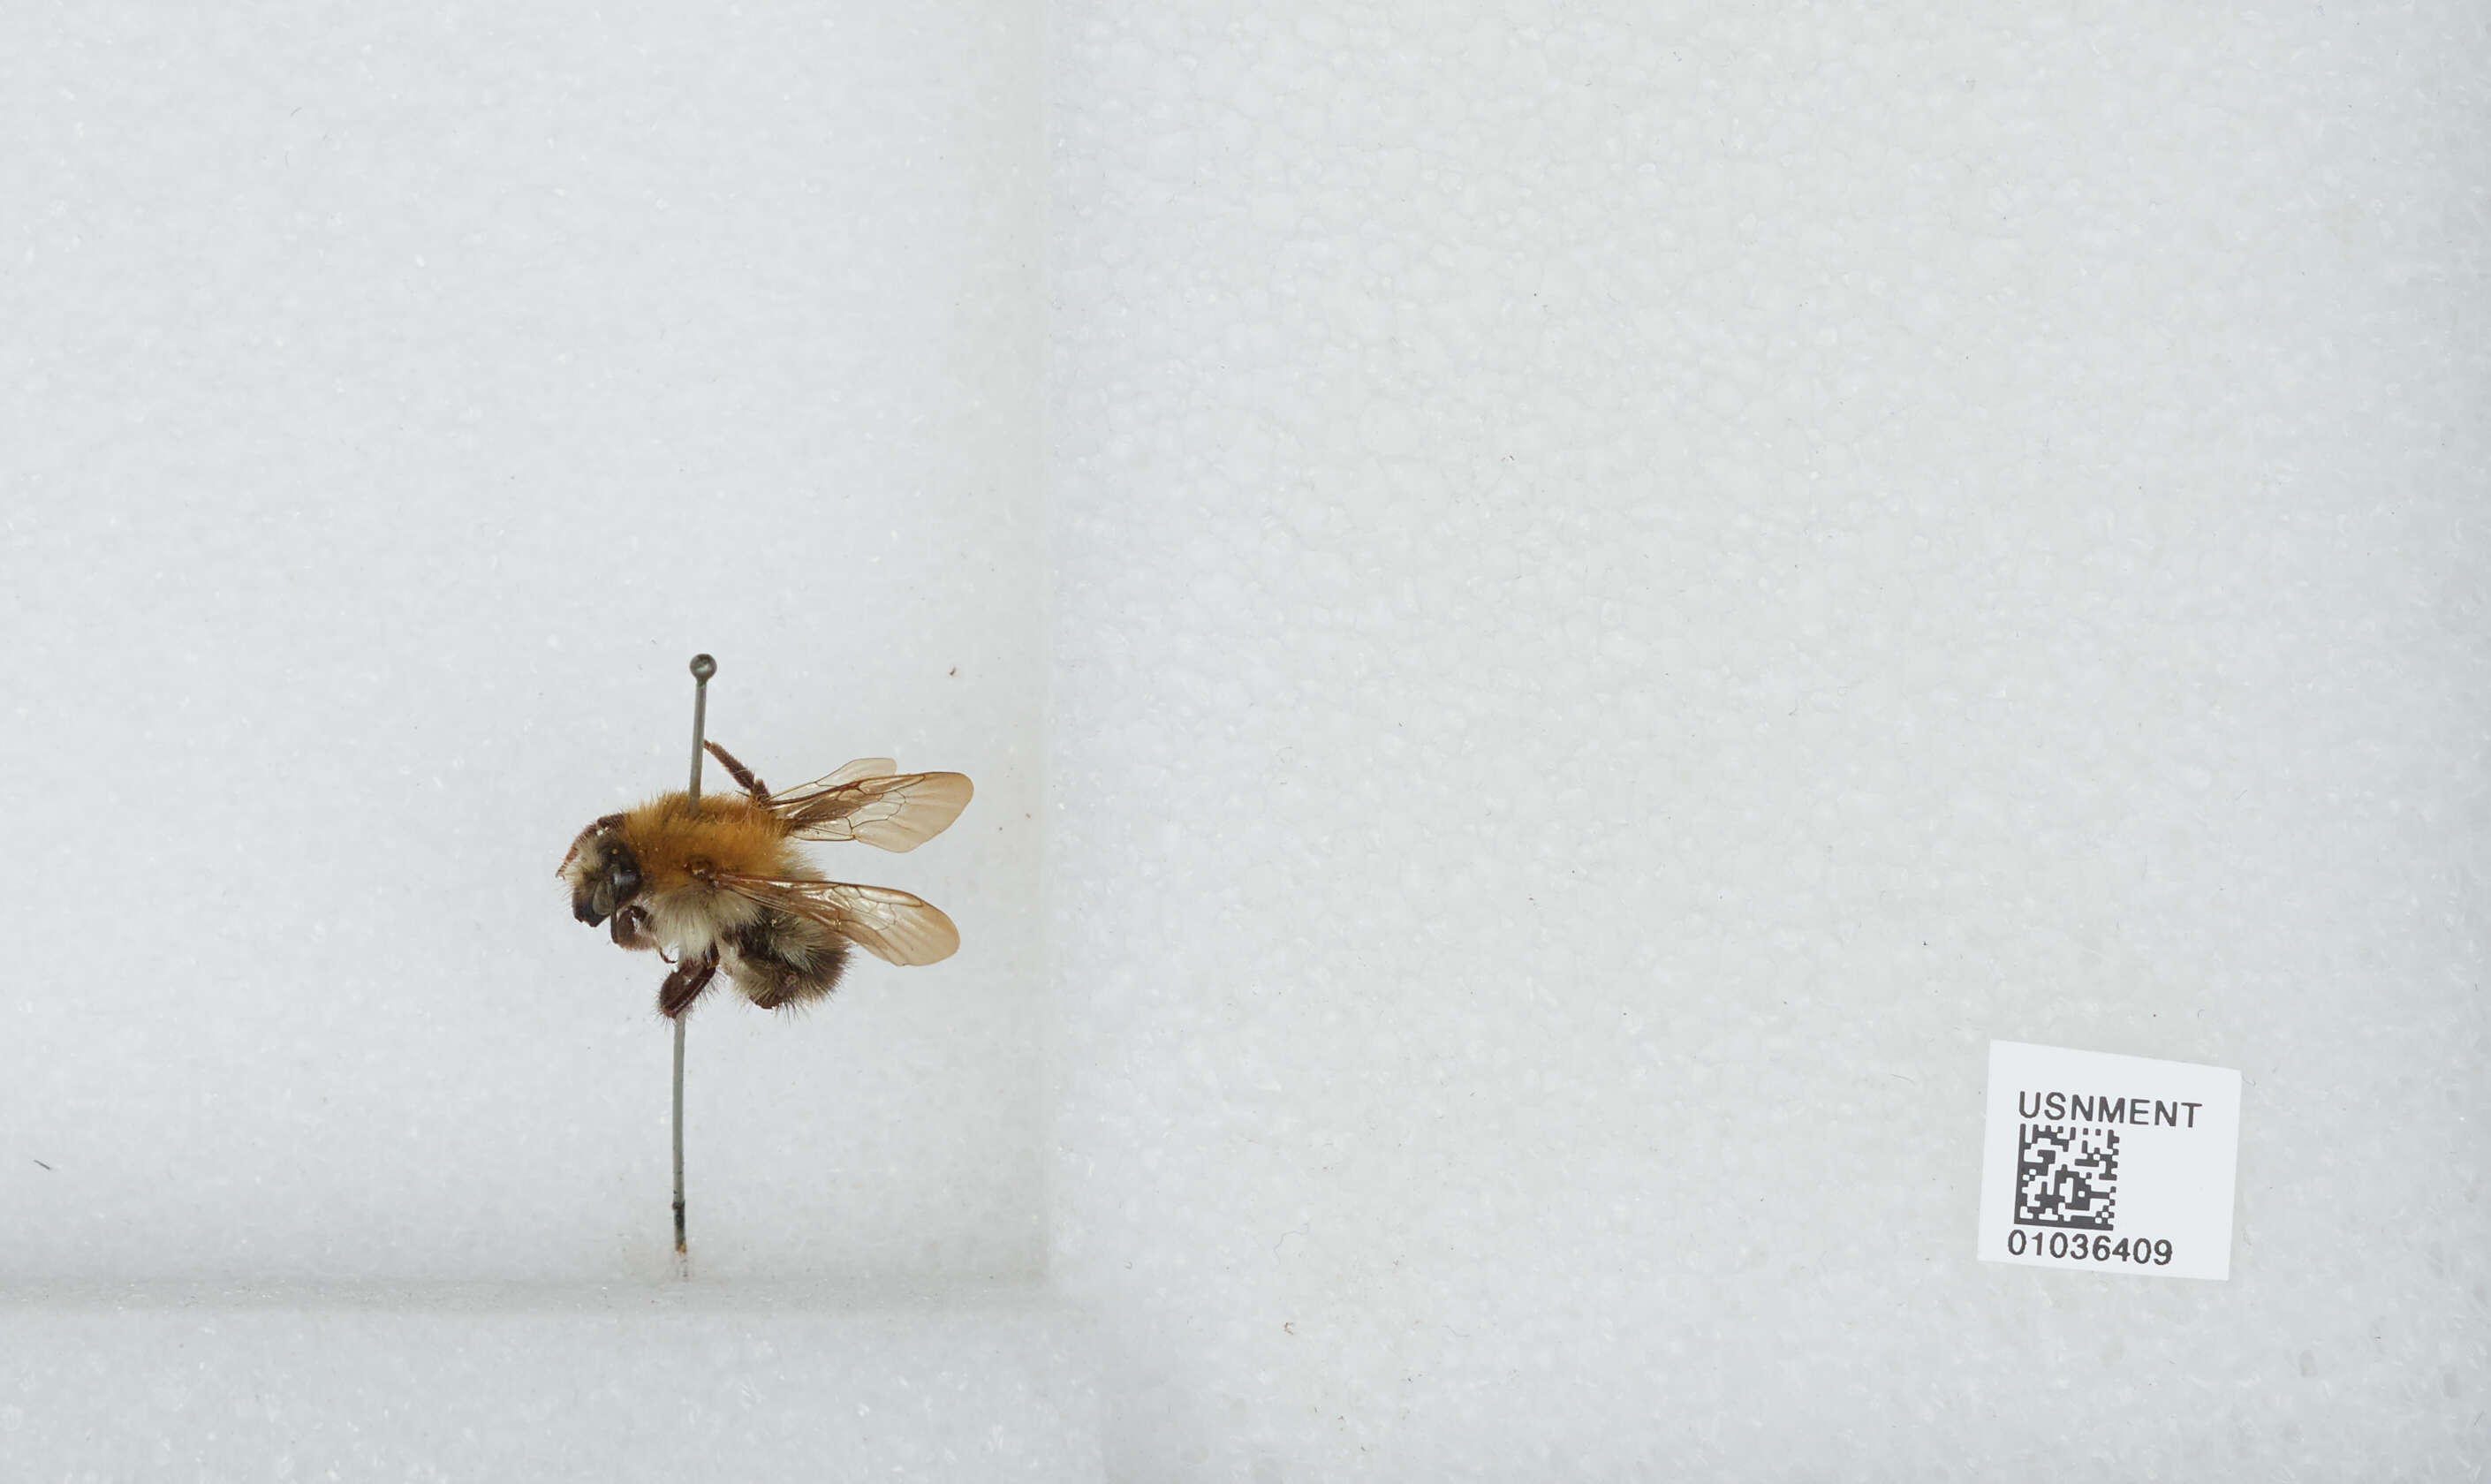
685 983
630 929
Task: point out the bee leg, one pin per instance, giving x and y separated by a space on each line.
743 774
685 983
631 930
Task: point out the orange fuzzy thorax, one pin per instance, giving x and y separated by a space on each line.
730 831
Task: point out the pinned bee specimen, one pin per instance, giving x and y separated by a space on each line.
720 883
717 885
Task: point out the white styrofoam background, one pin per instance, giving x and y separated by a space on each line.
543 1380
1560 612
397 401
1636 583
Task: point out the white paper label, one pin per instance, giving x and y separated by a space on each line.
2112 1164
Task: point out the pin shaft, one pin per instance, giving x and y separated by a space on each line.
703 667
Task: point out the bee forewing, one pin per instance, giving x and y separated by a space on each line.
894 814
861 768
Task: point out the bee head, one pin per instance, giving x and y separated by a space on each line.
601 871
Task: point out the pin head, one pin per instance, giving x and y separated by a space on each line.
703 667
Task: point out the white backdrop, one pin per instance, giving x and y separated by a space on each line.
397 401
1637 583
1560 612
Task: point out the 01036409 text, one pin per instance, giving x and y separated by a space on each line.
2076 1247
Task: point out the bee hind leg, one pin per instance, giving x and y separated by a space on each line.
685 983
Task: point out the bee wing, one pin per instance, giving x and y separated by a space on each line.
895 813
885 922
861 768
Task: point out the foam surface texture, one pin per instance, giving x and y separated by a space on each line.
397 402
1560 612
1639 582
711 1381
